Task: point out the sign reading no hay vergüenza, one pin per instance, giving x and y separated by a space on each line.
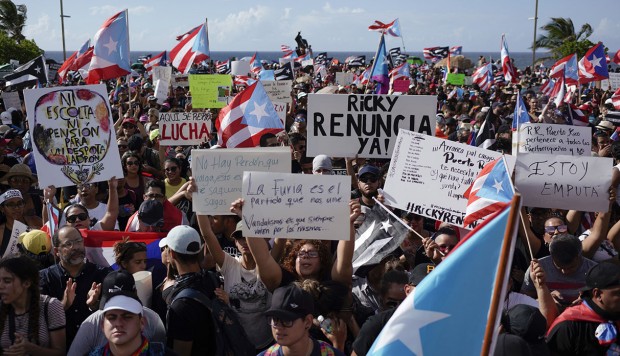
72 132
365 125
295 206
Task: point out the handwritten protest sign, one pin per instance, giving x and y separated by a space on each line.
344 78
11 248
162 73
278 90
183 128
219 174
280 108
366 125
181 80
71 130
456 78
428 175
613 83
553 139
209 90
240 68
161 91
296 206
565 182
11 100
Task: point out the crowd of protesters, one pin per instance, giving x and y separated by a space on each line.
290 297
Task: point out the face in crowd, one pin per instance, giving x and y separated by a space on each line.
70 247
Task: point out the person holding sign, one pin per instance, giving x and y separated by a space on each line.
12 209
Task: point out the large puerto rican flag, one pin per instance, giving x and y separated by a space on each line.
111 50
192 48
100 245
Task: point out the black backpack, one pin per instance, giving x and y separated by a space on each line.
229 334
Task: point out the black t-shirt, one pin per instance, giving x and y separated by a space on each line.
370 330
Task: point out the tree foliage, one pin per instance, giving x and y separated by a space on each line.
12 19
22 51
561 39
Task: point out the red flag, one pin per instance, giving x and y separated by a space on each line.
510 73
616 58
615 99
64 68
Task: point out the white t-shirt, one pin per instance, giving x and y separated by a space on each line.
249 298
605 250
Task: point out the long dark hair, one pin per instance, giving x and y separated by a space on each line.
128 155
26 270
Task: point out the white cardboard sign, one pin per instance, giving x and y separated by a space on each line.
429 175
11 248
365 125
554 139
162 73
72 134
281 108
183 128
11 100
278 90
240 68
564 182
219 174
161 91
296 206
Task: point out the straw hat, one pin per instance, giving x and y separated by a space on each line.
18 170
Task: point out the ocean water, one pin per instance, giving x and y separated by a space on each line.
521 59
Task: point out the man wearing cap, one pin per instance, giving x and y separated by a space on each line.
290 317
190 330
150 217
373 326
91 335
172 215
591 327
367 185
248 295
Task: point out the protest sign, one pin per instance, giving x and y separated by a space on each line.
11 100
162 73
468 80
239 68
613 83
456 79
181 80
72 135
280 108
344 78
365 125
161 91
553 139
209 90
564 182
401 86
11 248
296 206
428 175
183 128
219 174
278 90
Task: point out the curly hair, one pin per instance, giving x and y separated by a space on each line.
324 256
126 156
124 250
26 270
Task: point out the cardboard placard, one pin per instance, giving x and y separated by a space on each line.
365 125
613 83
181 80
11 100
278 90
564 182
162 73
344 78
428 175
281 109
11 248
72 134
240 68
161 91
210 90
184 128
295 206
401 86
219 174
456 79
553 139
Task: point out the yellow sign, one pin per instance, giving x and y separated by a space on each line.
210 90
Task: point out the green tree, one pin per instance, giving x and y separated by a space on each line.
561 39
12 19
22 51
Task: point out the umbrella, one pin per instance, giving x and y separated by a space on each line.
459 62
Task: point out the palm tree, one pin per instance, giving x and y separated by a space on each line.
560 31
12 19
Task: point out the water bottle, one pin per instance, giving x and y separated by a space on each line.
326 324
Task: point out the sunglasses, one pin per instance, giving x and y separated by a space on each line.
368 179
273 322
308 254
74 218
551 229
132 163
171 169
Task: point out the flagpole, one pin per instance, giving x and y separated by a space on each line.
207 31
503 270
128 76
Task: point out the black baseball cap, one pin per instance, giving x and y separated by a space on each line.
151 212
290 303
603 275
527 322
419 272
116 283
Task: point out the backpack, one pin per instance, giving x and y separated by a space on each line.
230 336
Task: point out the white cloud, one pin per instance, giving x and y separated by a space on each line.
42 26
104 10
140 10
287 13
606 29
238 25
342 10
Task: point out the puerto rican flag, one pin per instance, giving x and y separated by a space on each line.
616 58
193 48
400 72
593 66
569 65
159 60
491 191
575 116
82 64
243 80
456 50
249 116
615 99
483 76
64 68
510 73
392 28
110 57
100 245
255 65
435 53
547 87
363 78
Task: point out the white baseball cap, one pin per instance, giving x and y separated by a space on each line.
125 303
183 239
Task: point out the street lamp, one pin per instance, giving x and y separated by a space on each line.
535 18
62 26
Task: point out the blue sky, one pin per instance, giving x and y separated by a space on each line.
476 25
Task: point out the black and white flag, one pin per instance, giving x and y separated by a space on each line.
33 70
356 61
284 73
377 237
